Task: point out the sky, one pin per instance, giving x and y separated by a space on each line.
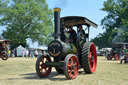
87 8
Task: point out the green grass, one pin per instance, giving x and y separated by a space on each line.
21 71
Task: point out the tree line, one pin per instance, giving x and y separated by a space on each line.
115 23
26 19
32 19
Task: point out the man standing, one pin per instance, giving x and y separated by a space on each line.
27 52
80 29
121 55
36 53
72 35
81 37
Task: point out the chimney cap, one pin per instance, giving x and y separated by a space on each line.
57 9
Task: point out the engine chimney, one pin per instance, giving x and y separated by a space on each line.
57 23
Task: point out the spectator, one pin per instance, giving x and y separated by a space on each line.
121 55
23 53
9 53
36 53
27 52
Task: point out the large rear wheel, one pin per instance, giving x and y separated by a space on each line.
71 66
41 69
89 58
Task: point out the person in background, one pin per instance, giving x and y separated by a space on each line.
27 52
44 53
36 53
9 53
31 54
23 53
121 55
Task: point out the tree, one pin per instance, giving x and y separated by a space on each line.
117 18
117 14
26 19
115 23
105 39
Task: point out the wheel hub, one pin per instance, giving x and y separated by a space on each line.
92 58
73 67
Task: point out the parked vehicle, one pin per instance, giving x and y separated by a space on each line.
4 49
115 51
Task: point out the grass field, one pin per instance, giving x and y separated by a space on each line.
21 71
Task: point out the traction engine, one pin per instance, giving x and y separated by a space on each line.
65 55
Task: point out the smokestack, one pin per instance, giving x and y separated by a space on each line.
57 23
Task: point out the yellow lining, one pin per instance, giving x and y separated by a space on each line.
57 9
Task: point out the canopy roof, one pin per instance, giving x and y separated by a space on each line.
77 20
120 44
5 41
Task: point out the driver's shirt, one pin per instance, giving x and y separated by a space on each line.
72 35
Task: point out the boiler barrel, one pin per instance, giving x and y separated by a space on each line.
58 48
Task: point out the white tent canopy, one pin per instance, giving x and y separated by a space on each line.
20 49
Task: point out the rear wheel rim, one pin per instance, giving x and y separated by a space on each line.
43 69
92 58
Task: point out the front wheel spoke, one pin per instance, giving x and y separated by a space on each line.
46 70
75 64
75 70
70 71
42 61
41 69
43 66
71 61
69 65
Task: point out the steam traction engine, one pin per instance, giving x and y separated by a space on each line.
115 51
68 56
4 49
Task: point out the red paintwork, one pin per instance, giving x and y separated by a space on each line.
92 54
72 67
44 70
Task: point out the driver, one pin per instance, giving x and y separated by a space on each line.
80 29
72 35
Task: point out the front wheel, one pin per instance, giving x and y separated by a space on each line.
4 55
117 57
109 57
71 66
41 69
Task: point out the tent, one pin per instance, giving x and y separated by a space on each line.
20 49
